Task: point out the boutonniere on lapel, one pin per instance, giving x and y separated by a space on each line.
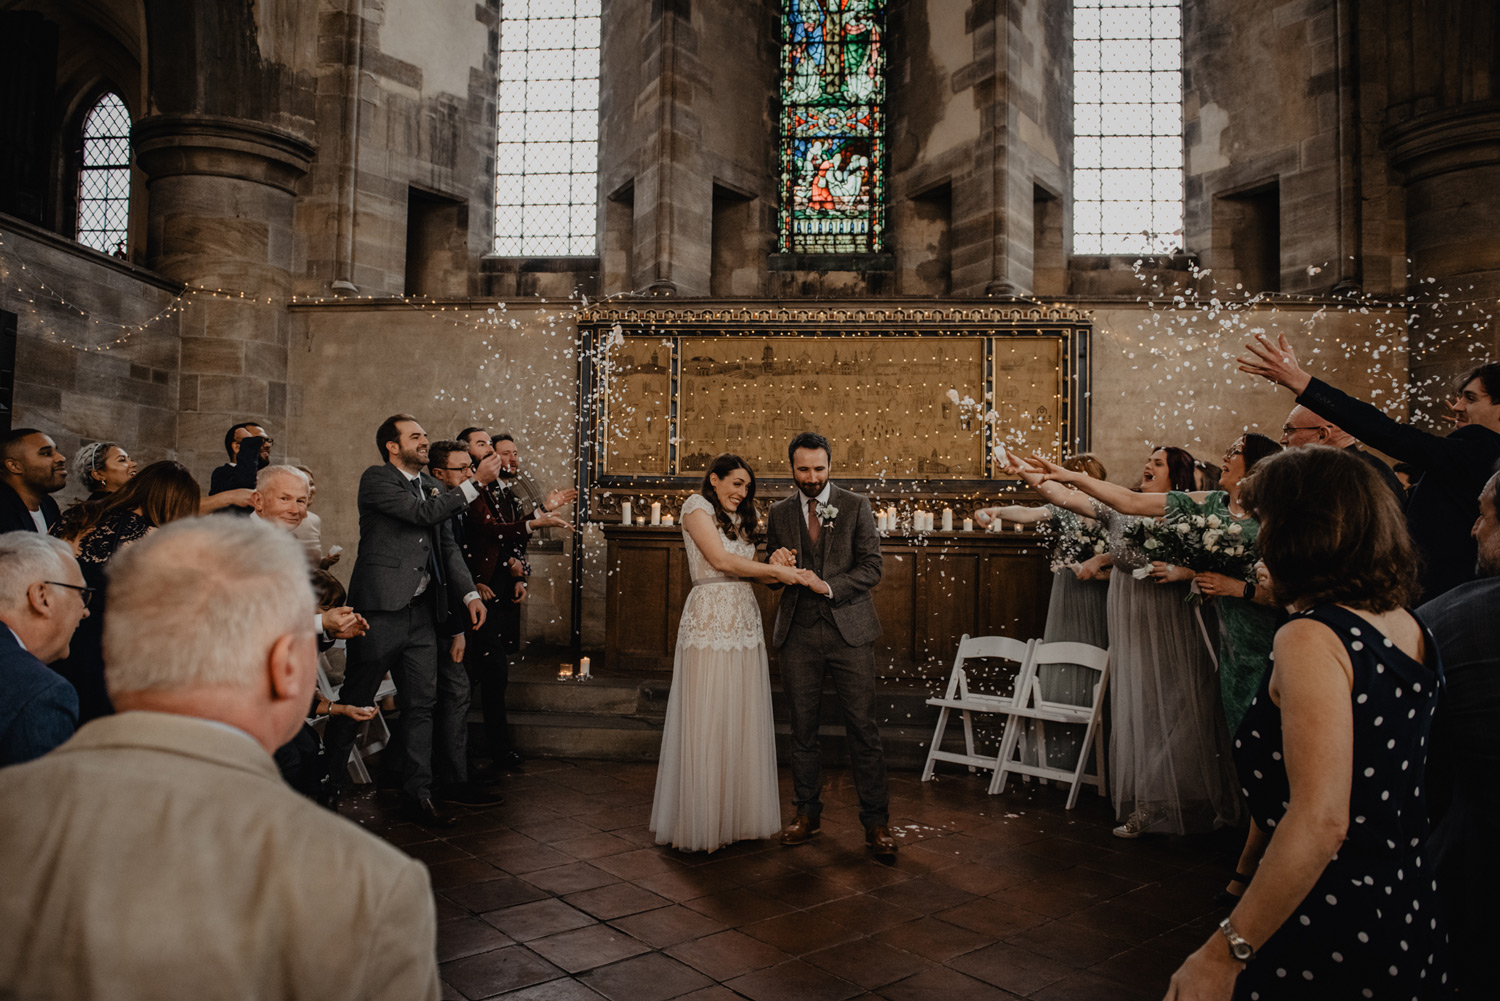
826 514
432 491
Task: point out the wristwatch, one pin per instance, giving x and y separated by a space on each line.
1238 947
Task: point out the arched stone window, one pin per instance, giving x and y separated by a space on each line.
547 132
104 176
1127 125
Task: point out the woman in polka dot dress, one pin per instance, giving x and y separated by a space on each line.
1333 750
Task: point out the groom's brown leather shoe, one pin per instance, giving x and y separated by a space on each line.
880 842
799 830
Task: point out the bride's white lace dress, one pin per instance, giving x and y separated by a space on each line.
716 780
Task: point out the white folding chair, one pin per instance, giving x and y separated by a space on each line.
962 696
1033 707
377 732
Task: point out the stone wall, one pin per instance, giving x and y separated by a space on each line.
72 380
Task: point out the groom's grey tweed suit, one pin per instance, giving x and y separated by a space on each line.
816 635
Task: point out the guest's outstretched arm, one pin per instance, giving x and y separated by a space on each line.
1122 499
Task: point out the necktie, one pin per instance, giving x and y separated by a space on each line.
814 528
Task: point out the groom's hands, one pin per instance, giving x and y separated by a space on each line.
814 583
783 557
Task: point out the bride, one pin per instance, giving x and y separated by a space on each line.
716 780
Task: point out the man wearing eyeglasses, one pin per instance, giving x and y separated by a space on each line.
42 600
1303 427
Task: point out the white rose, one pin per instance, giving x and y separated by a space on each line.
1234 529
1213 521
1183 528
1152 544
1199 520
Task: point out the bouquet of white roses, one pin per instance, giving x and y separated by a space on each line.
1207 543
1075 541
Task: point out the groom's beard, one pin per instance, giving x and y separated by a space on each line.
812 489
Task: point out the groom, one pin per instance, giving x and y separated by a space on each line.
828 626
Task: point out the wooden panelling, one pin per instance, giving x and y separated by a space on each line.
935 588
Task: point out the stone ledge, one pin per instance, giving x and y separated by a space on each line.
831 262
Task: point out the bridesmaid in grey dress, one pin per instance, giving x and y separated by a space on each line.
1171 771
1076 608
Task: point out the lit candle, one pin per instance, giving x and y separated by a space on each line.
625 513
565 672
947 519
656 512
666 520
968 524
1017 527
583 667
640 520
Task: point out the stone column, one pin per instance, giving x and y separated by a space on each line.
222 193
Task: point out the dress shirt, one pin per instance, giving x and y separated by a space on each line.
822 499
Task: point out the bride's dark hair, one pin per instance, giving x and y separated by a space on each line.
724 464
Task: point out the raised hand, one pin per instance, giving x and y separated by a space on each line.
1053 471
488 470
544 520
1274 362
984 516
557 498
783 557
344 623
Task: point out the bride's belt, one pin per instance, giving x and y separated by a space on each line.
718 580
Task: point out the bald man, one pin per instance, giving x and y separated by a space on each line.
1303 427
158 854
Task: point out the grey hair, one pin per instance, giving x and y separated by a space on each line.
27 558
89 460
200 602
265 476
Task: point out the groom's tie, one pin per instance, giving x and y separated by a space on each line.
814 528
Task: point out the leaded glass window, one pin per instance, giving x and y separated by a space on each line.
833 126
547 143
1127 126
104 177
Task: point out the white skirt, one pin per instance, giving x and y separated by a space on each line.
716 778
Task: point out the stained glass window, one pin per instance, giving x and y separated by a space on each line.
1127 126
833 126
104 177
547 142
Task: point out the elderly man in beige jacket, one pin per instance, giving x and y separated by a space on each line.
157 854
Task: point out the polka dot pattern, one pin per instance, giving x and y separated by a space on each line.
1364 930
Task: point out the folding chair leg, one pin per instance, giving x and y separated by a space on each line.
968 737
1007 752
1090 742
357 770
937 740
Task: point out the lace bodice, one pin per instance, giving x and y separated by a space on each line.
720 616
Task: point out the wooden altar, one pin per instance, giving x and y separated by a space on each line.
936 587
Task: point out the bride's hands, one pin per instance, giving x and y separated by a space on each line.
785 574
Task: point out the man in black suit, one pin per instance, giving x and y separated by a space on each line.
42 600
1464 751
1443 503
252 439
34 469
407 568
829 628
498 526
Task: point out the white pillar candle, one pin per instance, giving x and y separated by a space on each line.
666 519
656 512
583 667
881 523
968 524
625 513
947 519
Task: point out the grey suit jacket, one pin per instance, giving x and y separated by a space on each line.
396 533
160 856
850 563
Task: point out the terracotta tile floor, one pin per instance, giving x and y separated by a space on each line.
560 895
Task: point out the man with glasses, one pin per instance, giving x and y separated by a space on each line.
1303 427
1454 466
499 525
42 600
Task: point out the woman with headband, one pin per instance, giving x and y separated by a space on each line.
103 467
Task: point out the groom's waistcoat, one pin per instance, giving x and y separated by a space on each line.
848 552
